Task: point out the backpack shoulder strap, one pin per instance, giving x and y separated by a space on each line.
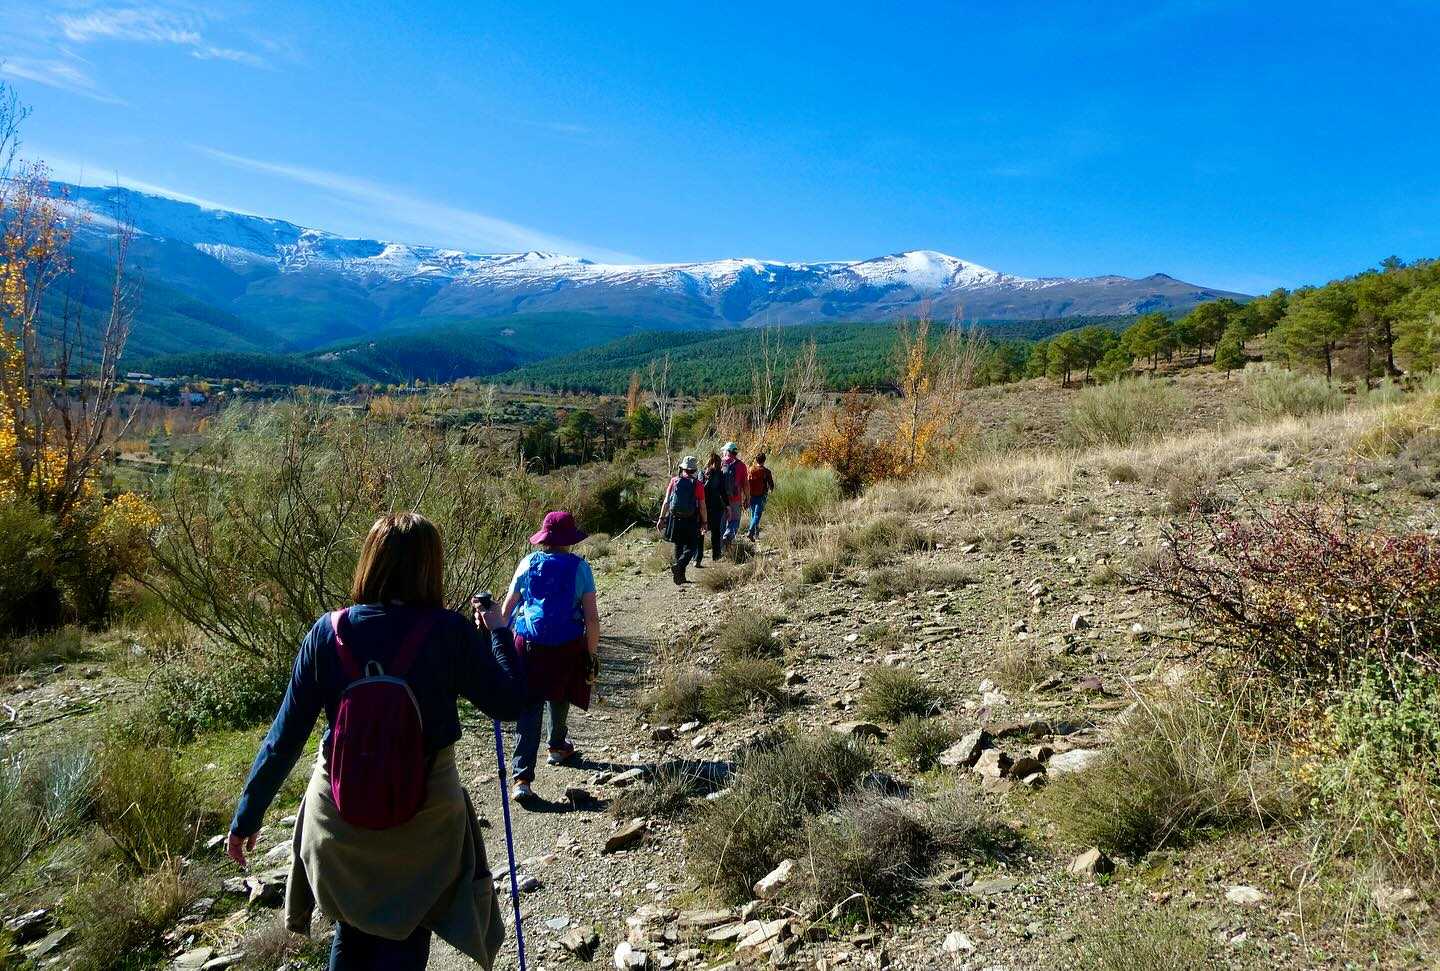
348 664
410 647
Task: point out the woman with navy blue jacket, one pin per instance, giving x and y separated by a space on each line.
387 889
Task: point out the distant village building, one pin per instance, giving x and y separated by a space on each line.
137 376
192 397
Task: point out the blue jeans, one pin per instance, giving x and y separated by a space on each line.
757 509
354 950
732 520
527 745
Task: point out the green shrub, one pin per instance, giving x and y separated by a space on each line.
42 800
887 583
748 633
1383 769
29 548
28 651
227 559
117 917
803 495
145 806
741 836
678 695
1123 412
744 683
870 846
882 848
892 694
612 500
1176 767
1272 393
919 741
1155 939
197 690
665 792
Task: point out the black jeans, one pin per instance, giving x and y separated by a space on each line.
717 537
685 534
355 950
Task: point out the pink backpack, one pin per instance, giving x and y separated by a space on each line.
377 744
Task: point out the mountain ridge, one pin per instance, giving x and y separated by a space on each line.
310 287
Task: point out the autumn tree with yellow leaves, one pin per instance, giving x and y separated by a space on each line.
62 544
59 367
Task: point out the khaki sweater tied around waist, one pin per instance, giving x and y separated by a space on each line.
430 871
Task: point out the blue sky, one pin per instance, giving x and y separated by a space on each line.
1233 144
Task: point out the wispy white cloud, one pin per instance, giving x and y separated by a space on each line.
146 24
152 25
65 73
65 169
207 52
437 221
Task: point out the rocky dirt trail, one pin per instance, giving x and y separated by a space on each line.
569 881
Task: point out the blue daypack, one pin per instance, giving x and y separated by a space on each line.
550 614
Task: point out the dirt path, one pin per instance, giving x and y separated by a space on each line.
558 844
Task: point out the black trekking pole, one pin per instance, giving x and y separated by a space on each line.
485 601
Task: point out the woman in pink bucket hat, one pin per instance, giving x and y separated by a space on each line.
557 634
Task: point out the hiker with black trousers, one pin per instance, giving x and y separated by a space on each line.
557 639
386 840
683 517
715 506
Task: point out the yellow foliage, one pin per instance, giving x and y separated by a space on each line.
123 530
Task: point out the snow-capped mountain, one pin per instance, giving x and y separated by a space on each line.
326 286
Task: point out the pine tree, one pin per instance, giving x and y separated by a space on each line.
1230 351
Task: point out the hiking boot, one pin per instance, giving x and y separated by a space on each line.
522 792
561 755
678 572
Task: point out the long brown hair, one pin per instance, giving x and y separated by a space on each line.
403 559
712 464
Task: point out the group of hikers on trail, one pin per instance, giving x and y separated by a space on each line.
697 503
386 841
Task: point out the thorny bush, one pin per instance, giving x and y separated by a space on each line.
1306 592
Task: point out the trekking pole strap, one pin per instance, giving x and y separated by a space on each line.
509 841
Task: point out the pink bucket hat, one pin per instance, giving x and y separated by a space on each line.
558 529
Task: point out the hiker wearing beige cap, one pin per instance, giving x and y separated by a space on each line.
682 516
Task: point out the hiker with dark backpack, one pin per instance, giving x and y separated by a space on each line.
557 638
716 503
683 517
386 841
737 488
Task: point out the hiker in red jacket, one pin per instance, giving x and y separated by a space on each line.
683 517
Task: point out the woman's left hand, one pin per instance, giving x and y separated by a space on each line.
236 846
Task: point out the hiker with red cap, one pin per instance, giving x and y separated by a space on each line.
557 637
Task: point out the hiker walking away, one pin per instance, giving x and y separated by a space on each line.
683 517
557 638
386 841
736 478
717 505
762 483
